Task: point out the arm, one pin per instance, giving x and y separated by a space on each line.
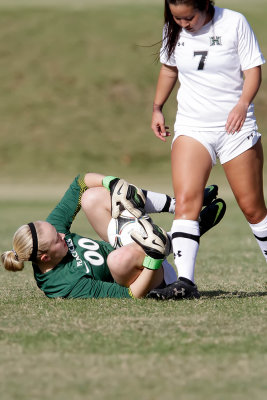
166 82
126 267
94 289
237 116
146 281
66 210
92 179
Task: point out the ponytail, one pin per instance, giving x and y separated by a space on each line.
11 262
22 248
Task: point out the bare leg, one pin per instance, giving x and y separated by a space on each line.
244 174
126 267
97 208
191 166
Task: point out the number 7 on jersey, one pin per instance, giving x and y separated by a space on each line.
203 56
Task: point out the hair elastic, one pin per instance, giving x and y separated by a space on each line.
16 254
34 242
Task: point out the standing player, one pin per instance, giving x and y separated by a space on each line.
68 265
217 58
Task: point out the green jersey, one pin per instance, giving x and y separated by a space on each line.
83 272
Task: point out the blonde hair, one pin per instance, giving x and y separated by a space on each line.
22 248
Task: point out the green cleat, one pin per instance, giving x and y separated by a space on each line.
211 215
210 193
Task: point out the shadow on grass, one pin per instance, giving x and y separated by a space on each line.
224 294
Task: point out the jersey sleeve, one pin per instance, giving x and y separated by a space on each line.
164 59
66 210
248 47
87 287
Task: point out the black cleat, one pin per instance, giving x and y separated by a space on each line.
179 290
210 193
211 215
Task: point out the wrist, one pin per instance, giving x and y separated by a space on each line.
157 107
106 181
243 102
152 263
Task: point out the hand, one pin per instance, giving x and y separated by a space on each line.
158 125
236 118
126 196
154 240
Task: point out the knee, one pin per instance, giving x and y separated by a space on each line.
91 198
188 205
255 216
125 256
254 212
122 256
113 260
120 260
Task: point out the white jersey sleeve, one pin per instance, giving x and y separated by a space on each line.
248 48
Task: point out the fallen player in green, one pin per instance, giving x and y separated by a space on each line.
68 265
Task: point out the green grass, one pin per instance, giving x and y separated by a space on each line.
76 87
212 348
80 96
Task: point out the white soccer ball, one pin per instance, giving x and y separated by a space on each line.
120 229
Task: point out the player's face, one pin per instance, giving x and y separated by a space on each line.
189 18
55 242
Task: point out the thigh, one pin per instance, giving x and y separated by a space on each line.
96 205
245 176
191 166
126 265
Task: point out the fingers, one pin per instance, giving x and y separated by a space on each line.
128 205
137 195
115 210
234 126
118 193
126 196
161 132
153 241
236 119
158 125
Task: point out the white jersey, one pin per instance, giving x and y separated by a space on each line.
210 65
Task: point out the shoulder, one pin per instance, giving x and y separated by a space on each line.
235 22
225 15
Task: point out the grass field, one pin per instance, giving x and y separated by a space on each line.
76 77
213 348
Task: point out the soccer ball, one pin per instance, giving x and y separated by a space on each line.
120 229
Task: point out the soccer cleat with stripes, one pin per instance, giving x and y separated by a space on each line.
178 290
211 215
210 193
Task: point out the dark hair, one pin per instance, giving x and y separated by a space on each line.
172 29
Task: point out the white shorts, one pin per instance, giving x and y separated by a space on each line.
221 144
